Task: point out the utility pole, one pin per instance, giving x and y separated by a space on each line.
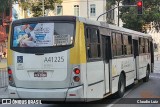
115 8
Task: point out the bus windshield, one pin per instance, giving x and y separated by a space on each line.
43 34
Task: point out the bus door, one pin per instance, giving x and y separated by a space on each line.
106 47
135 47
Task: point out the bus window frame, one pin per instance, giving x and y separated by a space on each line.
41 50
87 26
123 55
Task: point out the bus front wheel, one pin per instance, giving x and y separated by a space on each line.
121 86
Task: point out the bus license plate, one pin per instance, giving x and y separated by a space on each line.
40 74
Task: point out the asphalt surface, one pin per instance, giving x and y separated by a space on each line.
143 94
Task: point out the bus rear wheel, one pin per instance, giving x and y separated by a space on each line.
121 86
146 79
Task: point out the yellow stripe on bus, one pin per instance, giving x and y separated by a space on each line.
10 52
78 52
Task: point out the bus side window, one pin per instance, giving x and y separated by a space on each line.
119 43
93 43
129 45
125 43
114 52
142 45
146 45
149 47
98 44
88 42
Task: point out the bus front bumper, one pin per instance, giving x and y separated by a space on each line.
67 94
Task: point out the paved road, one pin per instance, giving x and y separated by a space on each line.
146 90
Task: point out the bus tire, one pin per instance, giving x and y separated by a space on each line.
146 79
121 86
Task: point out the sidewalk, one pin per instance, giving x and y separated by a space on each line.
3 63
4 93
3 90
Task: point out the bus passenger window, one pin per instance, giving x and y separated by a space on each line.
119 43
149 47
98 44
142 45
146 46
129 50
125 49
127 45
93 43
114 51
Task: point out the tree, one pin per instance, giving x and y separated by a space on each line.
110 3
4 4
37 6
151 13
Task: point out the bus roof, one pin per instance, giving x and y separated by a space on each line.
113 27
46 18
81 19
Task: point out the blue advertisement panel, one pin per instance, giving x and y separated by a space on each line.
33 35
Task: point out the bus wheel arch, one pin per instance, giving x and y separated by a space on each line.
121 84
148 67
146 78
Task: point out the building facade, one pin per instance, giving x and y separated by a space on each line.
87 8
155 36
84 8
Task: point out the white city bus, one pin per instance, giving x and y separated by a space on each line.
72 58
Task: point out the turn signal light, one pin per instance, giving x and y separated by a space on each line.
76 71
76 78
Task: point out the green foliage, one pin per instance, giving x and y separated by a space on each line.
4 4
151 13
36 7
